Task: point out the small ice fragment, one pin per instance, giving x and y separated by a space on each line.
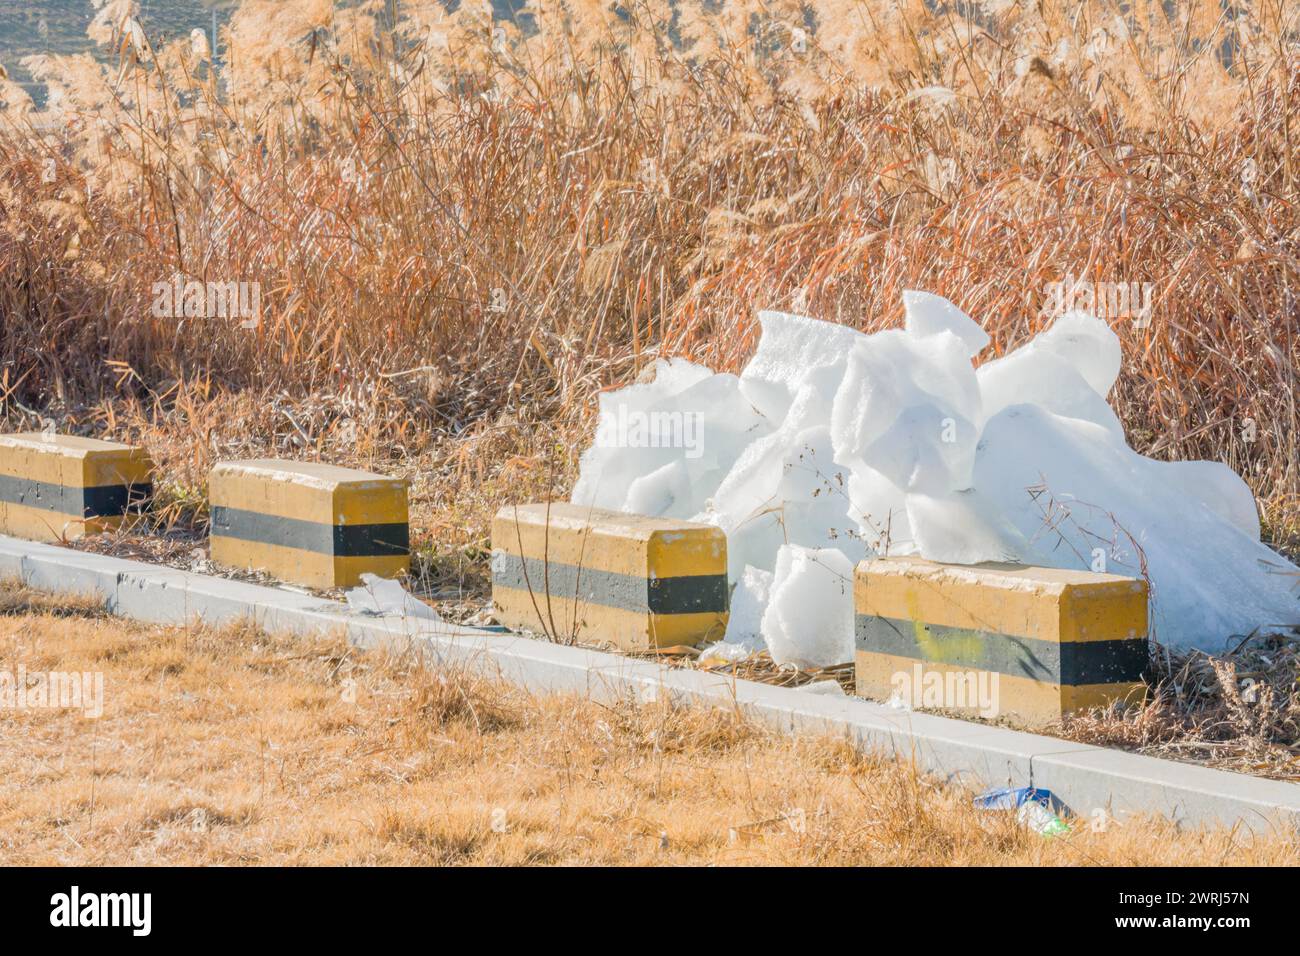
748 602
384 597
809 619
724 652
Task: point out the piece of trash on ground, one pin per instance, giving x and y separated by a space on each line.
385 598
1034 808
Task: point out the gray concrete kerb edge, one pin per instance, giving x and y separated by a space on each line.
1096 783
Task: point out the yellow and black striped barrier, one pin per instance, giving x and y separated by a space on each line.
582 573
308 523
54 487
1027 643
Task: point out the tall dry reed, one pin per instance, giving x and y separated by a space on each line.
456 220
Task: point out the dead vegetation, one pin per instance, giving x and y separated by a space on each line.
463 228
18 599
235 747
1238 711
461 235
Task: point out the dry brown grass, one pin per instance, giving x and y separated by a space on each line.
630 197
239 748
1238 711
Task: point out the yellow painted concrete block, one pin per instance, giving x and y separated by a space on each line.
599 576
56 487
308 523
998 640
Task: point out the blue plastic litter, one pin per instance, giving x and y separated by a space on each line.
1038 809
1013 798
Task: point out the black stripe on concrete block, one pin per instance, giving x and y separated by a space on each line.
1070 663
689 594
338 540
104 501
99 501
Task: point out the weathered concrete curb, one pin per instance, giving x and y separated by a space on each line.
1087 779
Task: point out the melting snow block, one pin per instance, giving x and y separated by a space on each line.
308 523
573 571
1008 640
60 486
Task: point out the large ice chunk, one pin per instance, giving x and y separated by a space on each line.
789 349
909 409
1084 500
787 487
1213 485
809 619
663 446
1068 369
833 445
1087 343
963 527
799 496
879 508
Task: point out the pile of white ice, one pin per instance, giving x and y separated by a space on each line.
833 445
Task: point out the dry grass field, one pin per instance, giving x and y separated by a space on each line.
462 229
232 747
